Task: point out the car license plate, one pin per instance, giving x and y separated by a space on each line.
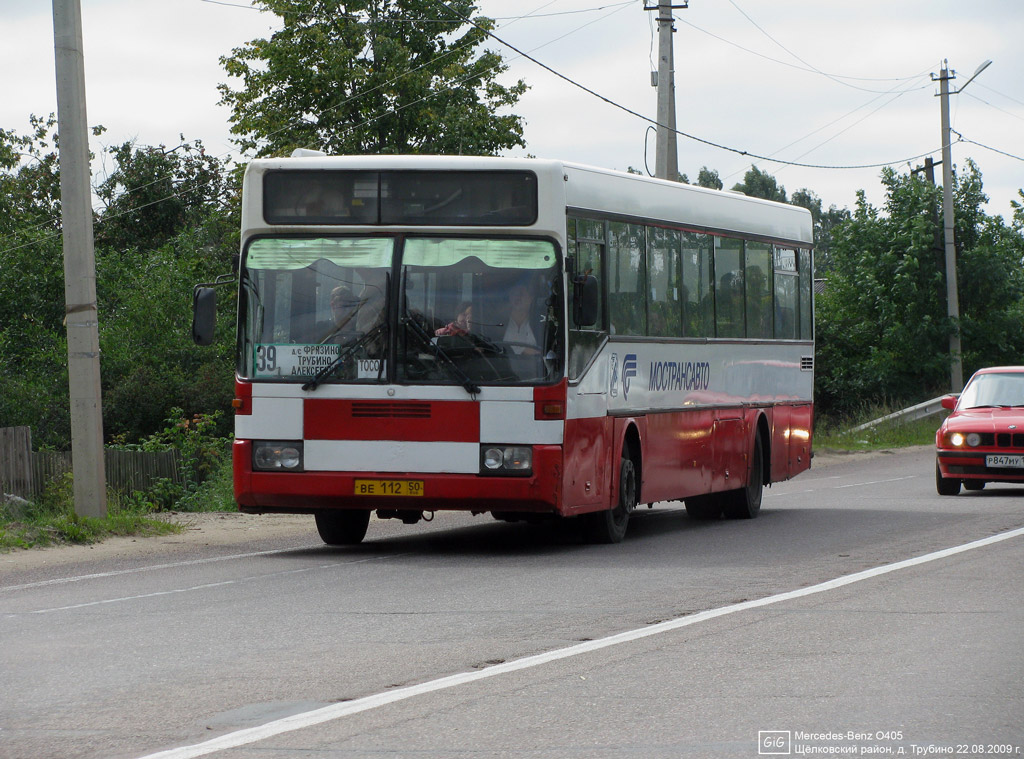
389 487
997 461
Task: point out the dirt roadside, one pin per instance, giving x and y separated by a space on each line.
232 528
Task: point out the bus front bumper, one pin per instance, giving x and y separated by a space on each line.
310 492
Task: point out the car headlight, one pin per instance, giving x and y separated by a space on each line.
956 439
506 460
973 439
271 456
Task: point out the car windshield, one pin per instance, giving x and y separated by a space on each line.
994 389
468 311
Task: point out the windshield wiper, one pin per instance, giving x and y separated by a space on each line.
444 359
343 355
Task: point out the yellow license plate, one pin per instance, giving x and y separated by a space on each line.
389 487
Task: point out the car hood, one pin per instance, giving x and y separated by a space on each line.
986 419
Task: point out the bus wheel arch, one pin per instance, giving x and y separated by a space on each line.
745 502
631 449
609 525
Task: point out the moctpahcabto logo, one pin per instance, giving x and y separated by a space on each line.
628 372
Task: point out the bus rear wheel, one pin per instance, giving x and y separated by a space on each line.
609 526
344 527
704 507
745 503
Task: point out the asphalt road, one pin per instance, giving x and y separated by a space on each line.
798 631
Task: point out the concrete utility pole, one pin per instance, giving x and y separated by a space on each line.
666 161
956 376
90 482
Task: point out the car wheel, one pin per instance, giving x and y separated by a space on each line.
946 485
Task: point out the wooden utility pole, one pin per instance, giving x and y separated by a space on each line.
956 374
666 160
90 486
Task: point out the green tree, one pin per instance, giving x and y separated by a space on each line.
170 221
882 327
761 184
709 178
33 347
153 193
824 221
371 76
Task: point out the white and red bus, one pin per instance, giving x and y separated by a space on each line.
530 338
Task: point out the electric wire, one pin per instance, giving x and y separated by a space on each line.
361 124
834 77
695 138
837 78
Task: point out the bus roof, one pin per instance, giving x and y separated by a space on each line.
603 193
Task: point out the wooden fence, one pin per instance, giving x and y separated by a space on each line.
26 473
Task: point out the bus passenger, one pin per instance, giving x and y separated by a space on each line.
462 322
518 332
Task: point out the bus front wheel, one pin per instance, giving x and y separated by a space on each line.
745 502
343 527
609 526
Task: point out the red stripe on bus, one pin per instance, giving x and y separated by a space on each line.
420 421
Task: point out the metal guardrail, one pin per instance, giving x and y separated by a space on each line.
920 411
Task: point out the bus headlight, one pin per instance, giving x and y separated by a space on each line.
277 456
506 460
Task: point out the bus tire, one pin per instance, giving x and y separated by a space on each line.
344 527
609 526
745 502
704 507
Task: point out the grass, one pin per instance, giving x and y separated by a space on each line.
51 520
838 434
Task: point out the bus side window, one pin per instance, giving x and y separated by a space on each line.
698 289
758 277
664 292
584 340
729 290
627 273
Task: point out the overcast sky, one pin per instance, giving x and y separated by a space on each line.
819 82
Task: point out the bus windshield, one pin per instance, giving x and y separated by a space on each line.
469 311
486 310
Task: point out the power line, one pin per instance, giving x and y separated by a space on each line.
185 191
961 138
810 69
648 119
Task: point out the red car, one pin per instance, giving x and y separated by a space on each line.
983 439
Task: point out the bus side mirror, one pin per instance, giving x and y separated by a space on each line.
204 315
586 298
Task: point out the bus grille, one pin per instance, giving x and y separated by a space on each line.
390 410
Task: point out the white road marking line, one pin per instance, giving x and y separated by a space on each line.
874 482
348 708
150 568
204 586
